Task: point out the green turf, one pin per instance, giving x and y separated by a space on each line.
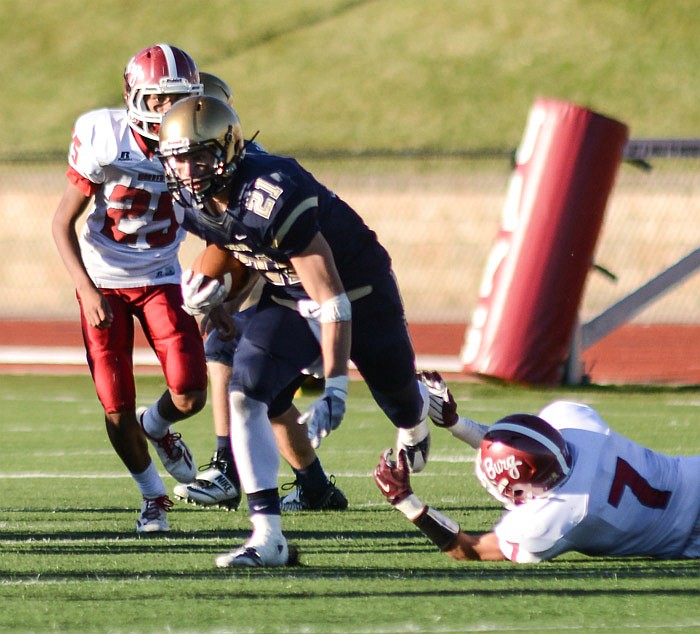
362 74
70 560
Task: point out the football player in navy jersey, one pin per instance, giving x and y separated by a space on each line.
217 483
329 289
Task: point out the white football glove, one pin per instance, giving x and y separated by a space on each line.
198 297
325 414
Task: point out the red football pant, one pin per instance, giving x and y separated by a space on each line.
171 332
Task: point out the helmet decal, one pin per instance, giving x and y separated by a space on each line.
494 468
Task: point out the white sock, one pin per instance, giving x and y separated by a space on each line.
253 442
154 424
264 525
425 395
415 435
149 482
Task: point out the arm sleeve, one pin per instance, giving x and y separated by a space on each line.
536 531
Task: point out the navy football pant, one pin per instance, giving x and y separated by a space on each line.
278 343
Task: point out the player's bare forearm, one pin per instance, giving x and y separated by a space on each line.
63 228
318 274
335 344
476 547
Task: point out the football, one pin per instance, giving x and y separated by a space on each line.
219 263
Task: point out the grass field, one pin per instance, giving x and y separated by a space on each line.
70 560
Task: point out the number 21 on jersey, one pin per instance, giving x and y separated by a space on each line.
262 199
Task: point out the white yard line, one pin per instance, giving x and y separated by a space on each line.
38 475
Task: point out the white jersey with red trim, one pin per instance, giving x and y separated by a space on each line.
133 232
620 498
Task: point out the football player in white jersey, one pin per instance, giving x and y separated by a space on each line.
124 264
568 483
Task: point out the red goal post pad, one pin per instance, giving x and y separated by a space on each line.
531 288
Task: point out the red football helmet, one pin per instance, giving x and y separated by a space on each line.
157 70
522 457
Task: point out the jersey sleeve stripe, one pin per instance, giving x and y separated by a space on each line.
302 207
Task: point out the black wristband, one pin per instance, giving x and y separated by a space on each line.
438 528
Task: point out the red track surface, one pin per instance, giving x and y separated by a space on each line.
634 354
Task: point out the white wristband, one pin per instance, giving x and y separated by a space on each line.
411 506
337 308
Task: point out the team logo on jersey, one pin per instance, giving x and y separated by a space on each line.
168 271
493 468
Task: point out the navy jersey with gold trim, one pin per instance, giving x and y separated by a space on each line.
275 209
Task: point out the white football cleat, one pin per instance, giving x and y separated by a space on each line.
273 552
211 488
172 451
153 515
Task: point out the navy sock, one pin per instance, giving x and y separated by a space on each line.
312 479
266 502
223 448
